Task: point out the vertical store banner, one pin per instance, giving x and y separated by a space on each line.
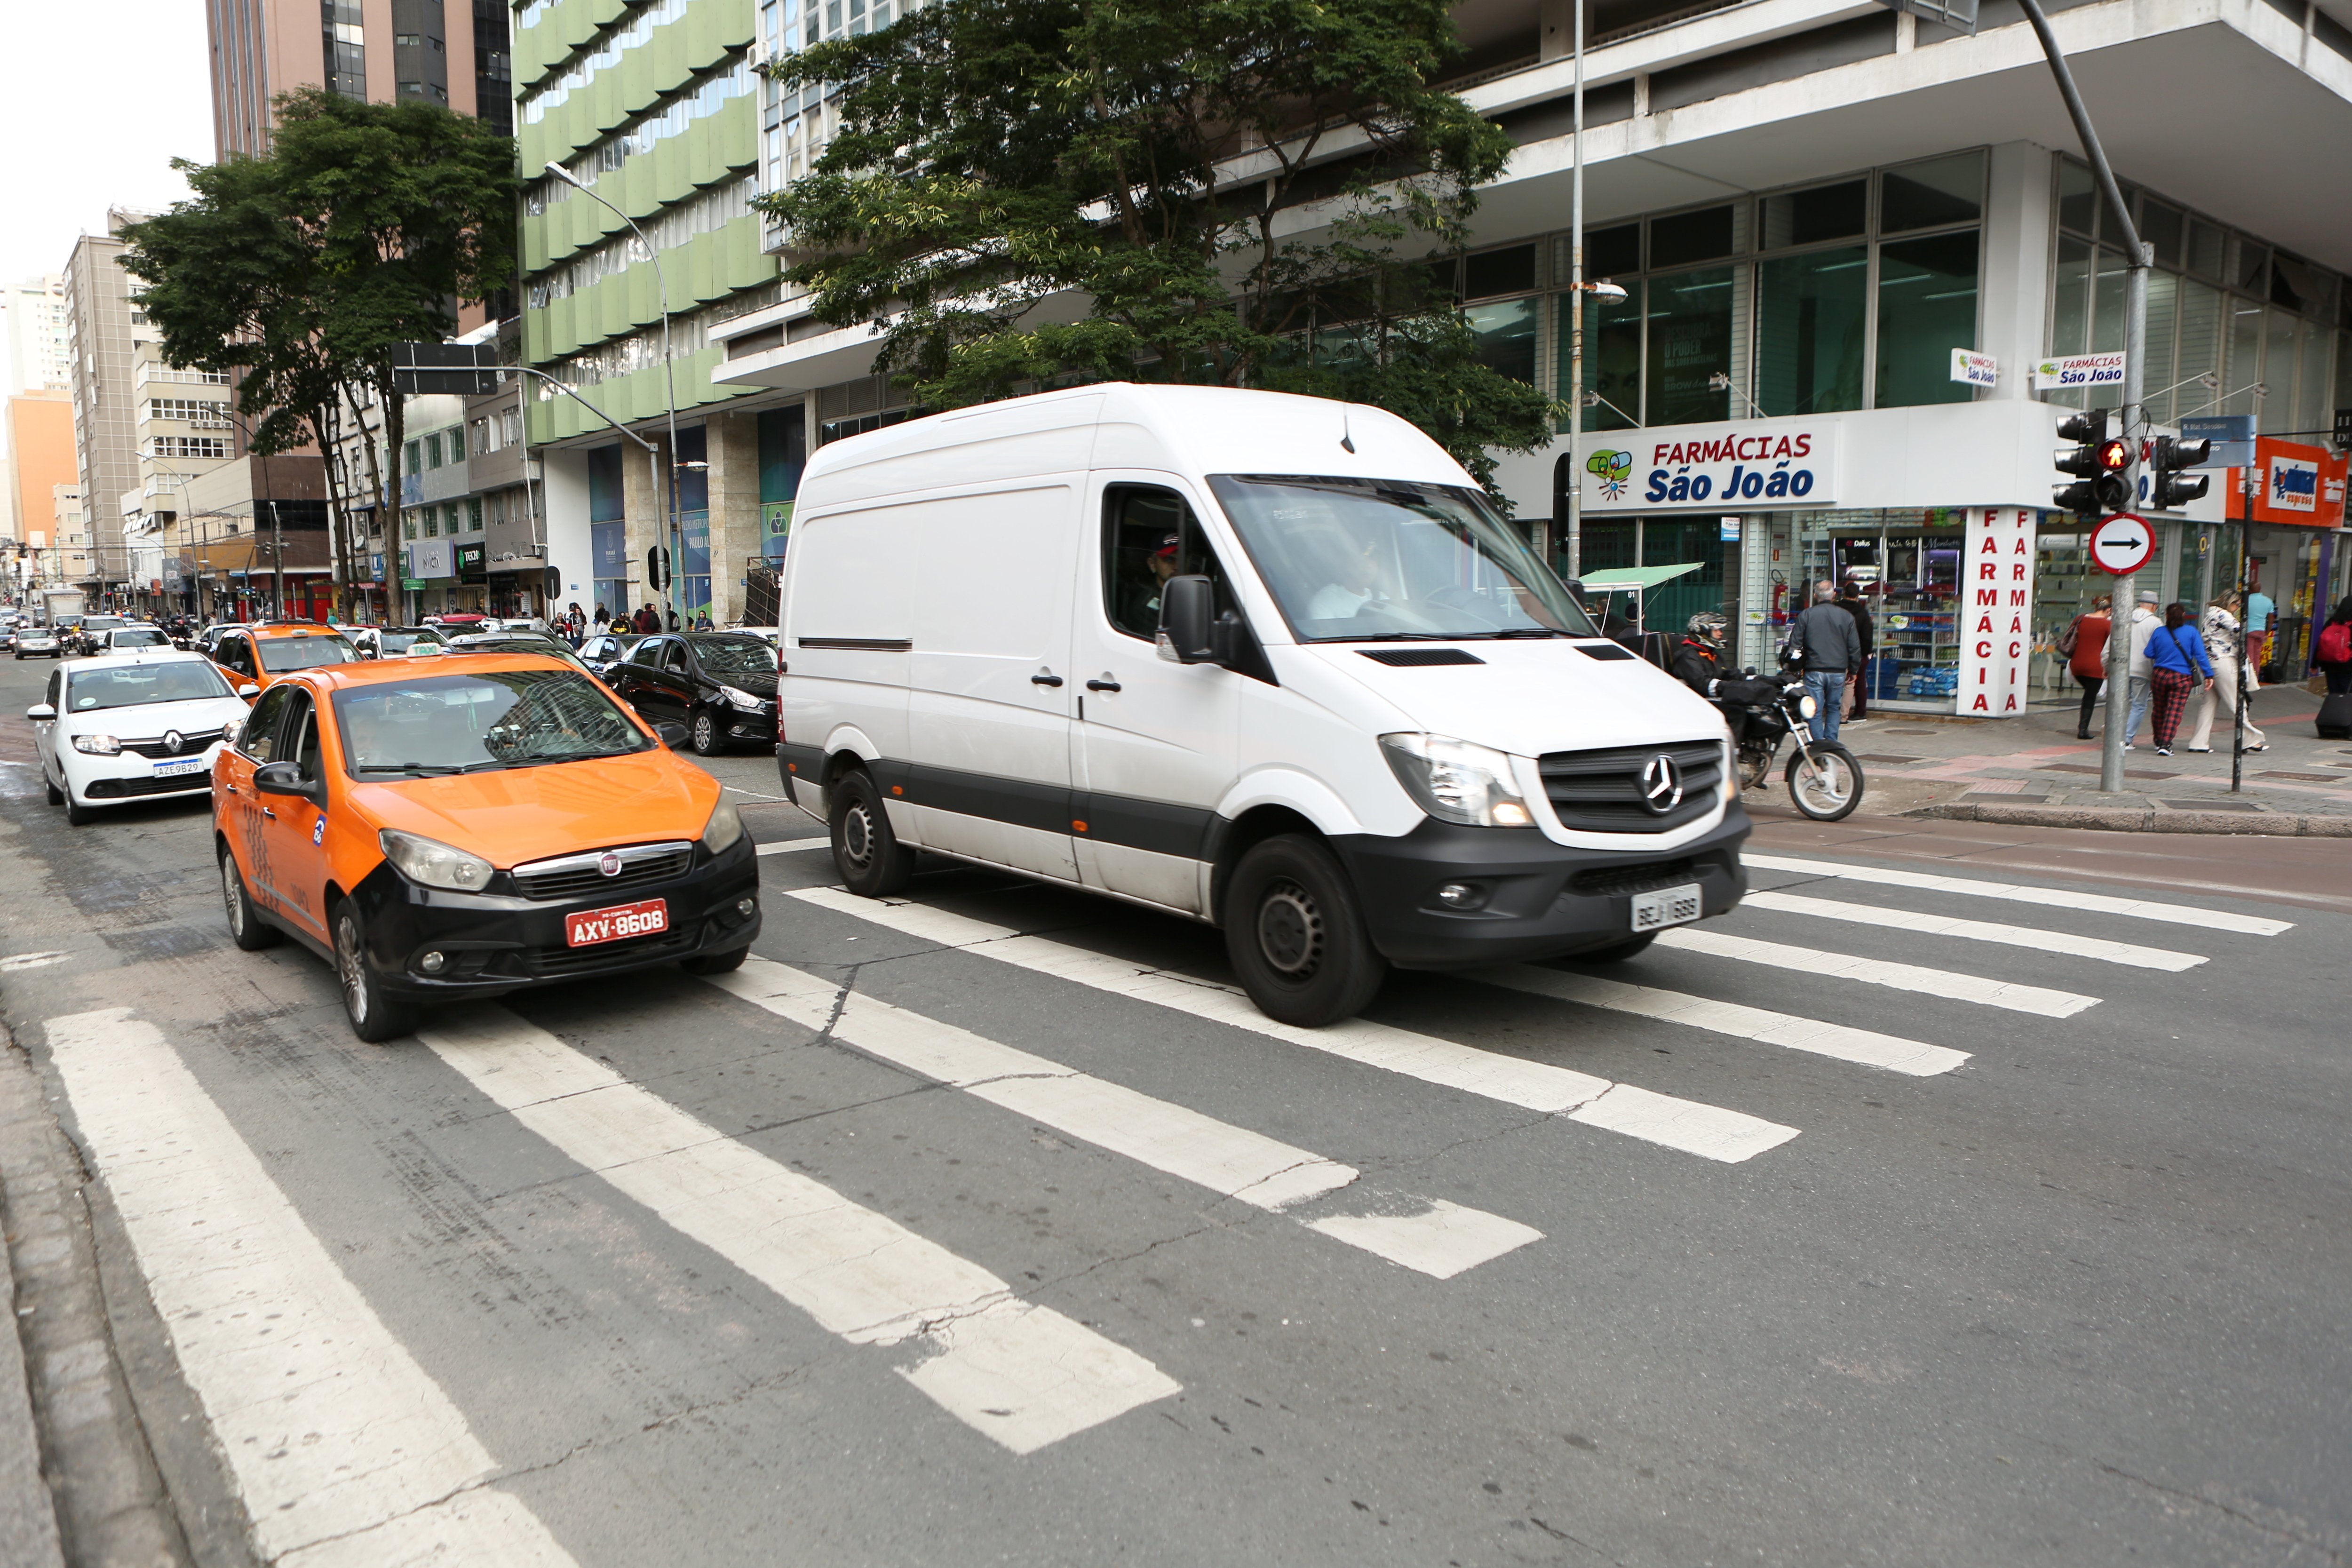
1996 609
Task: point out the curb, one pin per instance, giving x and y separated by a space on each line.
28 1516
2134 819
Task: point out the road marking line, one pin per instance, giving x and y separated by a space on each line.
31 960
1440 1238
790 846
1814 962
343 1449
1734 1019
1710 1132
2096 903
1022 1374
2059 942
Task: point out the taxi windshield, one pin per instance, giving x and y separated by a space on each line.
464 724
1354 560
280 655
734 655
137 685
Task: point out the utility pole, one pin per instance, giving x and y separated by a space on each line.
2137 259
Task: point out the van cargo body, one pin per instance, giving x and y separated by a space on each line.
1265 661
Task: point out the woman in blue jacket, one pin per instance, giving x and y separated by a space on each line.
2177 662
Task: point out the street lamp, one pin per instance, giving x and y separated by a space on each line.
669 368
1577 289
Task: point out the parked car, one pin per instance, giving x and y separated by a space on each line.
43 641
345 814
720 685
256 655
124 639
1278 665
131 726
516 642
605 649
395 642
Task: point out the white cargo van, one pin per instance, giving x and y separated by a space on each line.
1265 661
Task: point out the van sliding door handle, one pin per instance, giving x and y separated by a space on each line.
1102 686
1045 681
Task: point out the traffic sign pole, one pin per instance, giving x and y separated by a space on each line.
2127 604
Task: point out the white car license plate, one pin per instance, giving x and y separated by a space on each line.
175 770
1667 907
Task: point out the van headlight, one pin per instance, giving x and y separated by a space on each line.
739 698
725 827
1454 781
434 864
97 745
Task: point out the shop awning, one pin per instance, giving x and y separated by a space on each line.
1642 577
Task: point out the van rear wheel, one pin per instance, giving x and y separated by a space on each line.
872 862
1295 935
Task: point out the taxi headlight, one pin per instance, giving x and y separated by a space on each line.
725 827
742 699
97 745
1806 707
434 864
1454 781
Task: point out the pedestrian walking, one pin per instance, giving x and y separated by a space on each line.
1857 691
2136 687
2334 656
2084 643
1825 642
2220 629
2177 661
648 620
2259 612
604 616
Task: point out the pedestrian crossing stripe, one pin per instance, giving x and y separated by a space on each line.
1814 963
2069 943
2093 903
1707 1131
1428 1235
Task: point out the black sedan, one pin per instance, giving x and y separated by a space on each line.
720 685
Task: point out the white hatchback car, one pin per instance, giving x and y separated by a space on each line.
131 726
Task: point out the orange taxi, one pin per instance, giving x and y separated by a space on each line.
255 656
469 825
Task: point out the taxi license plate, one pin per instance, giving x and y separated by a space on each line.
1666 907
592 926
175 770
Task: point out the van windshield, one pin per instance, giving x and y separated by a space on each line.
461 723
1354 560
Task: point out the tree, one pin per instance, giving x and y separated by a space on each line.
364 226
1240 193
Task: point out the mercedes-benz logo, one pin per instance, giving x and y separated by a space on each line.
172 742
610 863
1662 785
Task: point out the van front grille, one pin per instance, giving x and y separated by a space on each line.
1602 790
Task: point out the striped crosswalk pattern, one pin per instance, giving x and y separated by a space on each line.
1022 1373
2039 941
1815 963
1429 1234
2052 897
1707 1131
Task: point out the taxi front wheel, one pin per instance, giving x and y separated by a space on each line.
374 1017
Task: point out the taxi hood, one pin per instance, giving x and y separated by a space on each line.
512 815
1529 697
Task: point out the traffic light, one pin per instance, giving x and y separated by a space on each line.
656 568
2168 455
2099 464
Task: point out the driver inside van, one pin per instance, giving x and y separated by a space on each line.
1355 581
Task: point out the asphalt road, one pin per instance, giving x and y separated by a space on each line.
2003 1220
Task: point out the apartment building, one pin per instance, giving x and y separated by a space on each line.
449 52
652 107
1811 205
104 330
472 521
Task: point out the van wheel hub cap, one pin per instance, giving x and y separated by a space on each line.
1290 930
857 836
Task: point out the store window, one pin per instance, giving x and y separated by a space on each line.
1612 357
1811 319
1933 195
1927 308
1690 323
1505 332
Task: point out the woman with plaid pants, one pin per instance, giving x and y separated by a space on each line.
2176 657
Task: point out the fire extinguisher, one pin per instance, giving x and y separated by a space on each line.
1780 600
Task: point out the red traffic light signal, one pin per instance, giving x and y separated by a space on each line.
2114 455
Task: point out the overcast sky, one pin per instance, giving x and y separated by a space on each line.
99 97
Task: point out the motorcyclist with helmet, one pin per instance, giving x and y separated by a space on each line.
1699 661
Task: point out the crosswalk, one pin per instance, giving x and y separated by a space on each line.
354 1454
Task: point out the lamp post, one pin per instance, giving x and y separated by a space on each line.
1577 289
669 372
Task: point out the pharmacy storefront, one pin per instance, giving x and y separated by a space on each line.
1941 513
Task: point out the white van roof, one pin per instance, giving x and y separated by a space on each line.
1194 430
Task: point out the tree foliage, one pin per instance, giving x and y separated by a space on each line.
1240 193
364 226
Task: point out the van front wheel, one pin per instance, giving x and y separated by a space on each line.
1295 935
872 862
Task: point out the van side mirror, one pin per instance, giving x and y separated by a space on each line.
1187 605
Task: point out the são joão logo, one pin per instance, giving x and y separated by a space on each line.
1731 468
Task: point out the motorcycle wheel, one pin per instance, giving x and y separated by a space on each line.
1828 786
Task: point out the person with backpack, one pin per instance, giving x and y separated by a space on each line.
2084 645
2334 653
1825 641
2176 658
2221 634
1865 629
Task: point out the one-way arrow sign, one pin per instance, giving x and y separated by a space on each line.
2121 544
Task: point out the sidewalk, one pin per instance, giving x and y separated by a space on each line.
2034 772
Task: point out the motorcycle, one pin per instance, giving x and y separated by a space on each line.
1825 780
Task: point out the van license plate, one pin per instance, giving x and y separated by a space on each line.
1667 907
592 926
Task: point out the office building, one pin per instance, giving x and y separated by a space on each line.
449 52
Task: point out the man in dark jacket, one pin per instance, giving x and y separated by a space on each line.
1825 641
1698 662
1852 603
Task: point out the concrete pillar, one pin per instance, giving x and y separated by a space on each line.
2019 217
733 442
645 503
560 489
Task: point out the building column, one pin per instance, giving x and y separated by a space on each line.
2016 286
560 489
732 451
645 502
